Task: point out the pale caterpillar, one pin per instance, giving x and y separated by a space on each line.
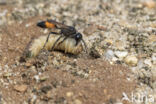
68 46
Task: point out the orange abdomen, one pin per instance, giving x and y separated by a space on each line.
45 24
50 25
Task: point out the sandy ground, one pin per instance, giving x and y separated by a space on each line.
104 82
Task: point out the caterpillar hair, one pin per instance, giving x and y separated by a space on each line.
68 46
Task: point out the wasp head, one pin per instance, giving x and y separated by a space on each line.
78 37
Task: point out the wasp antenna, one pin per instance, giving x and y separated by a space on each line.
86 48
46 40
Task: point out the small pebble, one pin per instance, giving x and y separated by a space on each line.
27 25
105 91
131 60
140 64
43 78
154 58
153 71
148 62
69 94
90 30
121 54
77 101
109 54
37 78
120 45
108 42
20 88
46 88
32 100
28 64
152 39
150 3
67 67
7 75
49 94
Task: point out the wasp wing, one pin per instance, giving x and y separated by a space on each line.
57 24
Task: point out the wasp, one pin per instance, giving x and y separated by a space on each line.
65 32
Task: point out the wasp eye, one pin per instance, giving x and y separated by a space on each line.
78 36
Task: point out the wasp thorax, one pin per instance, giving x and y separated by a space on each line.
72 28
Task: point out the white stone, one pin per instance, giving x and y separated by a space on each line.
154 58
148 62
114 59
140 64
121 54
36 77
109 54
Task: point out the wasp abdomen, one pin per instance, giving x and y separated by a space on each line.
46 24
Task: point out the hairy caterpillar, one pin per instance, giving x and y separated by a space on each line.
68 46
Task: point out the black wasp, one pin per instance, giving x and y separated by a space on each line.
67 31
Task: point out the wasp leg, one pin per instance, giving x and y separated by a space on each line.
56 42
55 33
69 36
48 37
86 48
62 40
59 39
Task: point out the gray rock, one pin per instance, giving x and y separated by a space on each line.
109 54
148 62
